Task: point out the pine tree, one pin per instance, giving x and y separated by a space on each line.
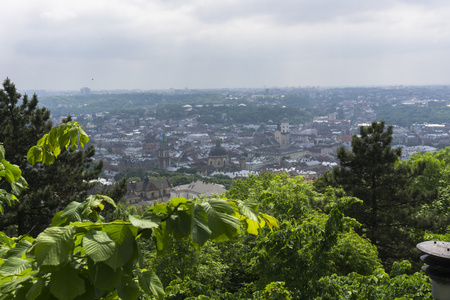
21 123
369 172
51 188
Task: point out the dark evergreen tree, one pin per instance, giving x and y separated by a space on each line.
51 188
390 200
22 124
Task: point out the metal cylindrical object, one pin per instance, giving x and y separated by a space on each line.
437 258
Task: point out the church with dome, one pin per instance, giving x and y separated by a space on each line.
218 157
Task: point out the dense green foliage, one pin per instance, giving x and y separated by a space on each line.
433 215
405 115
316 254
372 172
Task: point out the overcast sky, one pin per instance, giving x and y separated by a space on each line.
158 44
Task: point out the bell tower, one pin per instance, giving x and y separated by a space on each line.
282 134
163 153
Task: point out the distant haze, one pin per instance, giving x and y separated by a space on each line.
159 44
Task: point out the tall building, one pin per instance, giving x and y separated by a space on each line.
282 134
85 91
163 153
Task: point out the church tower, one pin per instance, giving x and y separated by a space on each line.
163 153
282 134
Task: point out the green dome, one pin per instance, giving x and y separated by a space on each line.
217 151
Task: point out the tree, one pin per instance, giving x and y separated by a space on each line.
371 171
379 285
52 187
315 238
21 124
434 215
436 169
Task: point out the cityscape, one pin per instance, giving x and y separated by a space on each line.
144 140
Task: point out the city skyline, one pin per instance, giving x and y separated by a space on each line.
62 45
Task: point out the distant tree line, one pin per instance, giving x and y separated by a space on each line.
235 114
405 115
96 103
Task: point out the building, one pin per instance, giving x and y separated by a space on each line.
282 134
149 190
218 157
163 153
196 190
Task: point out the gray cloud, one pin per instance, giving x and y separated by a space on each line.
174 43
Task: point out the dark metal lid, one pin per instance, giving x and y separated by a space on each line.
440 264
435 248
436 274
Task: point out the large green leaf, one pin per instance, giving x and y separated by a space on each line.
179 202
34 155
200 231
89 291
98 245
3 250
14 266
222 225
7 240
128 289
221 205
12 172
19 249
151 284
159 209
65 284
73 212
84 139
147 222
96 200
253 227
118 232
57 220
125 244
180 224
10 286
270 221
35 290
18 186
161 234
76 211
22 290
248 210
102 276
54 245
